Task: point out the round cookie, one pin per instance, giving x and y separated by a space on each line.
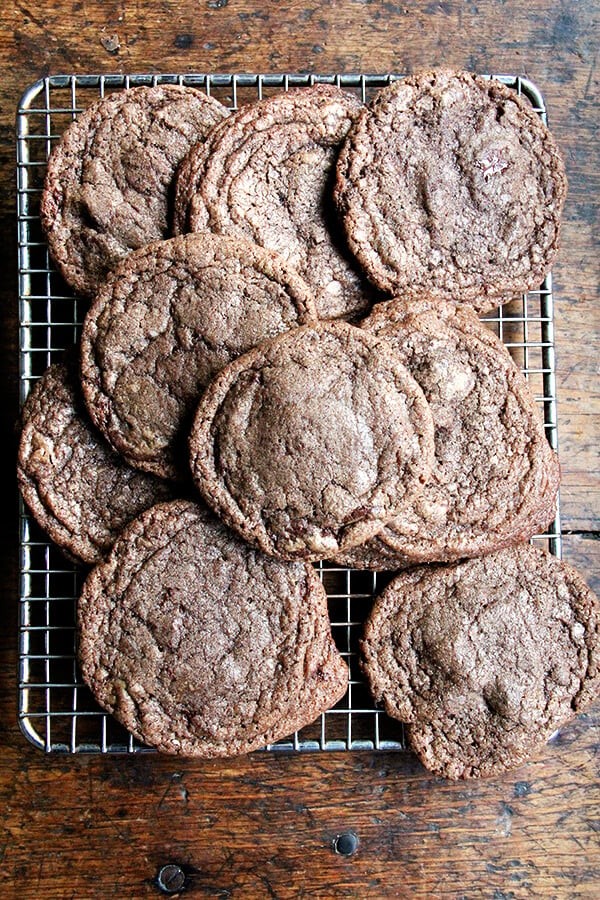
202 646
495 477
79 490
484 659
266 175
450 186
309 443
167 319
109 179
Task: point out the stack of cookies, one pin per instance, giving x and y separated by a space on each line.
282 363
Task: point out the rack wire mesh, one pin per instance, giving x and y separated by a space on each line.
57 713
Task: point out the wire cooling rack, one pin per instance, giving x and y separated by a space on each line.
56 711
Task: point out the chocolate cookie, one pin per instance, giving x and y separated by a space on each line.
450 186
309 443
484 659
266 175
200 645
109 179
76 486
495 478
167 319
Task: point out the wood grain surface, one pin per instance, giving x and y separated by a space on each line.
266 826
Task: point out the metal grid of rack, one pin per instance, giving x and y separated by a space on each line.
56 711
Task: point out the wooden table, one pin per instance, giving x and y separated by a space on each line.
265 826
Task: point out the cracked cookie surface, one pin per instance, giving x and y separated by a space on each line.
164 323
202 646
449 185
484 659
266 175
109 179
311 442
80 491
495 477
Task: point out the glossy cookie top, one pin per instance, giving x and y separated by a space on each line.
450 186
495 478
484 659
79 490
165 322
266 175
311 442
200 645
108 182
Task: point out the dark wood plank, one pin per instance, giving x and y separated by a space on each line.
265 826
